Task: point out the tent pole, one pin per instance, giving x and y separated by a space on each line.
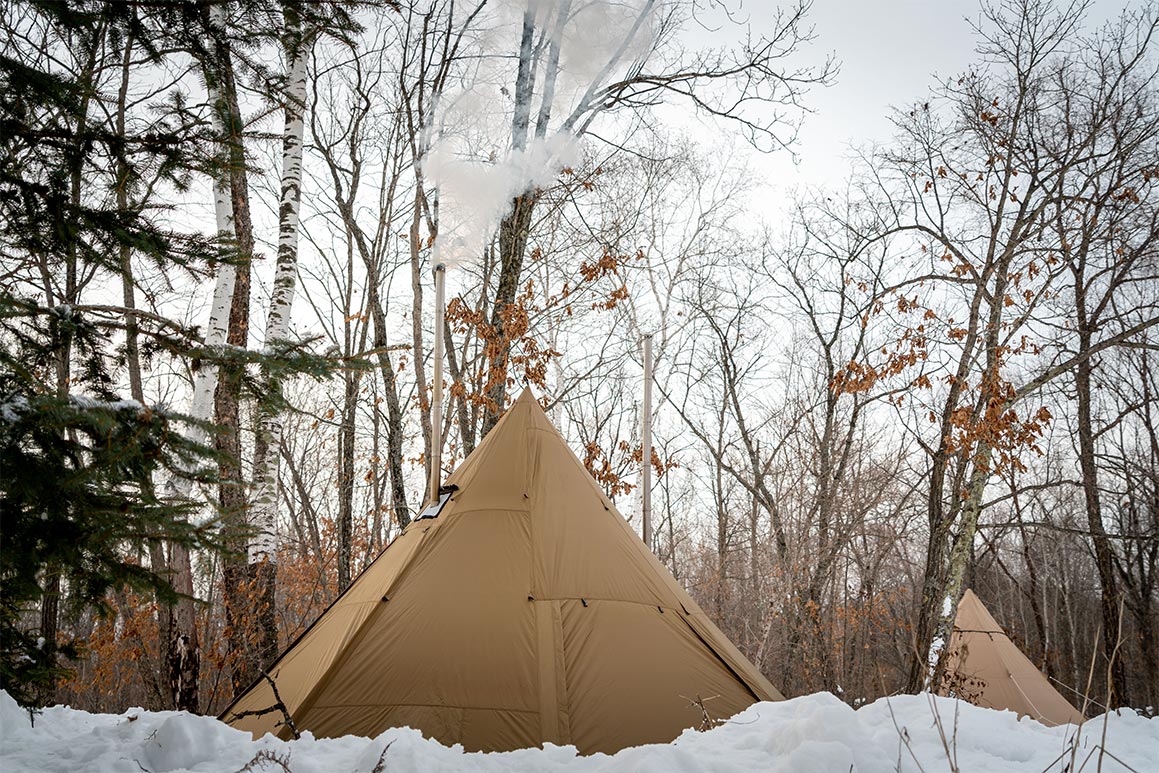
646 441
437 386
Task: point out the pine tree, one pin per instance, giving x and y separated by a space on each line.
77 462
76 493
78 201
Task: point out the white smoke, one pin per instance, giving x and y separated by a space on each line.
475 195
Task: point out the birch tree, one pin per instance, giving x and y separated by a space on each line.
262 552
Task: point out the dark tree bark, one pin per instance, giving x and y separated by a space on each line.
1104 556
394 429
346 481
513 233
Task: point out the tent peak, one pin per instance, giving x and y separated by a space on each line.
527 402
986 668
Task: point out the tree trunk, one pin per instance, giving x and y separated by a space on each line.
513 232
184 651
184 647
418 355
462 413
941 517
49 622
933 581
346 481
1036 610
262 554
240 597
955 568
394 429
1104 560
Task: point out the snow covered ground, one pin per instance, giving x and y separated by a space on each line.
813 733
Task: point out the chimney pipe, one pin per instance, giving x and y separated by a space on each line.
437 386
646 442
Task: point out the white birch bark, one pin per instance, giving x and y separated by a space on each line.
217 327
958 560
263 546
216 330
185 657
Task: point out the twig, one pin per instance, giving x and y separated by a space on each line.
1111 754
903 734
1050 764
264 757
950 757
380 766
706 720
279 706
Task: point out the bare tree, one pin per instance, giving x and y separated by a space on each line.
983 169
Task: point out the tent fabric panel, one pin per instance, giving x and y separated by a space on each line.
546 648
633 672
580 545
478 730
379 578
369 721
985 667
257 698
979 671
582 552
742 667
973 616
1046 705
306 662
494 730
1009 680
459 631
300 668
496 475
979 676
555 725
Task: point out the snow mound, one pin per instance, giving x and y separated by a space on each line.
183 742
812 733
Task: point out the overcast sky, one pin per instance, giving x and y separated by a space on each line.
889 53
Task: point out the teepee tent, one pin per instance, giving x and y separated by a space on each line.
520 609
985 668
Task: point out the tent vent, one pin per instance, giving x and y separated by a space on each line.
434 508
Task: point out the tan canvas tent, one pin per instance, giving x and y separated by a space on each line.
985 668
525 611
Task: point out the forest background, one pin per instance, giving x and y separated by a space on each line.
220 220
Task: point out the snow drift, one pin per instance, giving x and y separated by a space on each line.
812 733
